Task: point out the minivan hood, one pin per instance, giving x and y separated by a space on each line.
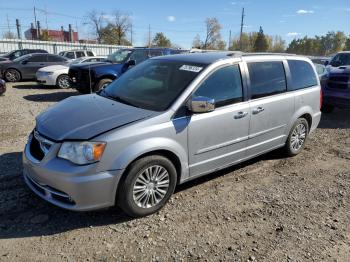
86 116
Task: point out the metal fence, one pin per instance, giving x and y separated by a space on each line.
7 45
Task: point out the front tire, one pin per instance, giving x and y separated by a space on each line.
297 137
148 186
103 83
12 75
63 81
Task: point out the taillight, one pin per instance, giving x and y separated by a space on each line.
321 98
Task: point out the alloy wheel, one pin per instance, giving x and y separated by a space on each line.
298 137
151 186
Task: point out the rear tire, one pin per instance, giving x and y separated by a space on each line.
102 84
327 109
63 81
297 137
12 75
147 186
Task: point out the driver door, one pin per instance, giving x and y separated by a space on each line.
217 139
32 65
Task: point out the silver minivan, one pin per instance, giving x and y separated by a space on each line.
166 121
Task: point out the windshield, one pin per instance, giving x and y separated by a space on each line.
120 56
341 60
154 84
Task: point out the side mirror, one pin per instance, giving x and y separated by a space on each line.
24 62
326 63
131 63
201 104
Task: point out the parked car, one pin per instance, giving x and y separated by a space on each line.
336 83
166 121
21 52
2 87
91 78
320 69
57 75
26 66
73 54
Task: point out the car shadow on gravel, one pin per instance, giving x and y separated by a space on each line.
32 86
339 119
23 214
51 97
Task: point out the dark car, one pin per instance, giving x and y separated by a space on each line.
336 83
91 78
21 52
25 67
2 87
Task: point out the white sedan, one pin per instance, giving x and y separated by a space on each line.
57 75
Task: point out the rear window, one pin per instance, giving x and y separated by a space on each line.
302 74
266 78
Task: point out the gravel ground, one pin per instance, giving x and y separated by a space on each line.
269 209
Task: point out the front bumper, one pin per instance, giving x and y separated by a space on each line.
336 98
78 188
46 79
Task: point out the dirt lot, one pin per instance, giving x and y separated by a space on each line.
270 209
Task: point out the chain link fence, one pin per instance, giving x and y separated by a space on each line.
7 45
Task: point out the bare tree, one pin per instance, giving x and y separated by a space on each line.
213 35
9 35
96 20
122 23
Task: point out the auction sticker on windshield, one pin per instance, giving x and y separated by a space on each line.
190 68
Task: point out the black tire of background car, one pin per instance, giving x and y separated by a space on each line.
102 84
16 74
327 109
2 87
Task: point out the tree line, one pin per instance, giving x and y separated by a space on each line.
116 28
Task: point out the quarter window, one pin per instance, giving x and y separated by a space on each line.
80 54
302 73
224 85
266 78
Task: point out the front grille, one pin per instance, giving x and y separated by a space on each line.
337 85
35 149
39 146
339 78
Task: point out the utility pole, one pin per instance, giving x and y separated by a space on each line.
35 23
242 24
229 41
149 36
18 26
131 34
8 24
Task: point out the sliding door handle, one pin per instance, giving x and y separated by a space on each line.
241 114
258 110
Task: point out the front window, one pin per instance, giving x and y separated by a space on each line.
341 60
120 56
154 84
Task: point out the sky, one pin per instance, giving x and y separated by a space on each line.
182 20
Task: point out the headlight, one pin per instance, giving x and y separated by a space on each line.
82 152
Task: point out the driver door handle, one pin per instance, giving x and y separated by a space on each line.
241 114
258 110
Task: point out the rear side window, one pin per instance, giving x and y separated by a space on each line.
139 56
224 85
54 58
302 73
70 55
80 54
266 78
89 53
38 58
